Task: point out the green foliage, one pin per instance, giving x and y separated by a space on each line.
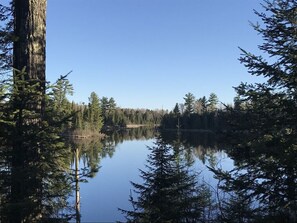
176 110
189 103
60 91
57 99
94 113
6 37
213 102
263 122
198 114
203 102
33 159
169 192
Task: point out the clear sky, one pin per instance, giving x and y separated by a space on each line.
150 53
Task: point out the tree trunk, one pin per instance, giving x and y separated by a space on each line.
29 46
29 95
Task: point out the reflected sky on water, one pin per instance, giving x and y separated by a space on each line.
110 188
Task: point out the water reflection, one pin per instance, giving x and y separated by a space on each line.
90 151
170 191
195 144
86 155
265 177
141 133
261 187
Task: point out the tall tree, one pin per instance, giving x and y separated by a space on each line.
176 110
189 103
94 112
111 104
104 106
266 126
213 101
61 89
29 44
203 102
169 192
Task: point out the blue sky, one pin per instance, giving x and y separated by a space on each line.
150 53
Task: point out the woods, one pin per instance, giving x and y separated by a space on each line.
196 114
257 133
264 121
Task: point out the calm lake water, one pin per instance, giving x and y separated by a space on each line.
119 160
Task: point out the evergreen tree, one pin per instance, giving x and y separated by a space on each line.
94 112
104 106
266 127
237 208
29 46
111 104
213 102
6 37
169 192
33 159
177 114
61 89
203 103
176 110
189 103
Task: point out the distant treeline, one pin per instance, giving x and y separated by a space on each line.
99 113
103 114
195 113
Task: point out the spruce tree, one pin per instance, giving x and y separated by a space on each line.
169 192
33 159
266 124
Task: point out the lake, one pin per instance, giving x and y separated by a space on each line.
120 159
241 178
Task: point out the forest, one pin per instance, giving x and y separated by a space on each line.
39 166
99 114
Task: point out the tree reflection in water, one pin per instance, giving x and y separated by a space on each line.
200 144
262 185
264 178
88 153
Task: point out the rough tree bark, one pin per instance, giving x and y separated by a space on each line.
30 41
28 56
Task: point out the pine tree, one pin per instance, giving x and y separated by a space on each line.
213 102
203 103
61 90
189 103
94 112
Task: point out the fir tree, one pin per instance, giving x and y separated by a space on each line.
34 161
169 192
266 125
